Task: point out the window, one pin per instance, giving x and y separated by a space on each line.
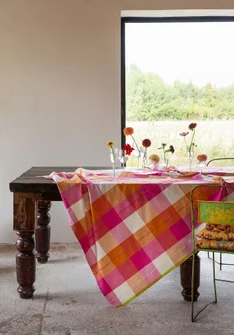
175 71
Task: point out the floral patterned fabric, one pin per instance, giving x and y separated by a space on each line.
214 244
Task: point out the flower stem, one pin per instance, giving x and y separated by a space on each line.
135 143
144 158
190 146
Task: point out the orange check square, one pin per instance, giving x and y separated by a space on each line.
144 236
78 230
118 255
170 216
67 183
131 245
105 266
182 206
176 253
128 189
137 283
115 195
100 207
157 226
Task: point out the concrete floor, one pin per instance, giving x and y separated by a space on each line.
68 302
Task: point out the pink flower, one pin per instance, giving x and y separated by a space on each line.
184 133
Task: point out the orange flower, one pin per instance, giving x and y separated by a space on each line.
128 131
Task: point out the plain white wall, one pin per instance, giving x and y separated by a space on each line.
60 88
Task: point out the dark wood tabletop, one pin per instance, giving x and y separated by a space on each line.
32 180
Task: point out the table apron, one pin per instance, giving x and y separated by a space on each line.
25 211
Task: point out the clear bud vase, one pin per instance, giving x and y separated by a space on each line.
190 154
113 154
123 158
144 159
165 162
201 165
137 154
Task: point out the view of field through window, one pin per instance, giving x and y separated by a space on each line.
178 73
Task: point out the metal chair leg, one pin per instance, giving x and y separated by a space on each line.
220 262
214 279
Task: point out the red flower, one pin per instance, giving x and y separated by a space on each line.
128 149
146 143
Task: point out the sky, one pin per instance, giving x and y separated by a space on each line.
199 52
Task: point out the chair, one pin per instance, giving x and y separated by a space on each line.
216 213
220 256
219 159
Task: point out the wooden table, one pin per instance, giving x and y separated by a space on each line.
32 202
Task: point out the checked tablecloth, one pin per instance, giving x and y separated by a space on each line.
133 229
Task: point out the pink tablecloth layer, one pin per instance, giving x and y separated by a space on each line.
133 229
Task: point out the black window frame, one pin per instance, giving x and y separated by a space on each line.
177 19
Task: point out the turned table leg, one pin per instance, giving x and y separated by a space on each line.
25 264
24 224
43 231
186 278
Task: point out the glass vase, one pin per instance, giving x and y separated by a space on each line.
137 154
123 158
165 163
201 165
144 159
113 155
190 154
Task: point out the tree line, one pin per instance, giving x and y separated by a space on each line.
149 98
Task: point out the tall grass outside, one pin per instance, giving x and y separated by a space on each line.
213 138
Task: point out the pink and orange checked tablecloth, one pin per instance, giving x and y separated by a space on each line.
133 229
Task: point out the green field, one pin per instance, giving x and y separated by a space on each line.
213 138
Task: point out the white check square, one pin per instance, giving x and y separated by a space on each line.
124 292
134 222
100 253
78 209
163 263
173 193
106 187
